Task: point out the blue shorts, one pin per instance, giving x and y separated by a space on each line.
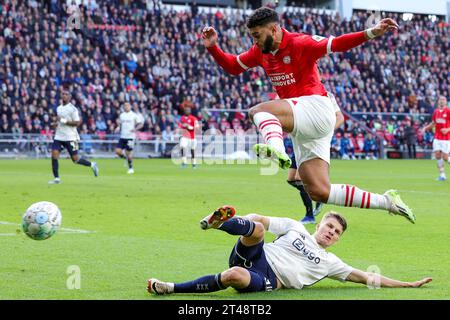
70 146
293 162
254 260
126 144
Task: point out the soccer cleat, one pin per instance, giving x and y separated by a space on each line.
158 287
398 206
130 171
319 206
183 165
308 220
215 219
194 166
94 168
441 178
55 181
266 151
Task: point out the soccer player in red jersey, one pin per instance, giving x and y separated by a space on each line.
189 124
441 142
304 109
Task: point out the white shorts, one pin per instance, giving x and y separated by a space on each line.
441 145
314 121
186 143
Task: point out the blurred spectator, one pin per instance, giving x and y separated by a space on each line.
150 55
370 147
410 134
347 149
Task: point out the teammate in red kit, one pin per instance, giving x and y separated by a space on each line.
441 142
189 124
304 109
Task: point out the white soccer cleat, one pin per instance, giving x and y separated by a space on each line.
397 206
158 287
215 219
55 181
94 168
130 171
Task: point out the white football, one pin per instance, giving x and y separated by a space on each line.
41 220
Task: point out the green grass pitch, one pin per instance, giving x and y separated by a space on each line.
146 225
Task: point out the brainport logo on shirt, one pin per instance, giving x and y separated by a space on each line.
287 59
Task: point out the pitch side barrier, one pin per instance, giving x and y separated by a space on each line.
211 144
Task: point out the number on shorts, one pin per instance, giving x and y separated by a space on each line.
74 145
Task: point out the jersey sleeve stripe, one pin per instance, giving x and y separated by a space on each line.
330 41
241 64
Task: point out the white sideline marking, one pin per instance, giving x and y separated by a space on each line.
62 230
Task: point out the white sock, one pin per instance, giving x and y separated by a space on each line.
270 128
441 168
184 160
351 196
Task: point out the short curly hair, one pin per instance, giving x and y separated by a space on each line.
261 17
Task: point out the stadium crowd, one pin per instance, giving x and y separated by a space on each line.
148 54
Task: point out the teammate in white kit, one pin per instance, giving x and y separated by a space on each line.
130 122
66 136
295 259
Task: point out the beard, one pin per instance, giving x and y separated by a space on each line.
268 44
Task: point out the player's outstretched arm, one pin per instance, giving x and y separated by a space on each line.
349 41
372 279
229 62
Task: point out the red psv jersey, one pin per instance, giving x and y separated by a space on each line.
191 121
292 68
442 120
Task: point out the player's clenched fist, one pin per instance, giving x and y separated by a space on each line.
209 36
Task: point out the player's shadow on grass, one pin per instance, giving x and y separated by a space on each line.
322 292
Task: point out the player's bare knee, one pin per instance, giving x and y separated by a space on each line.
259 230
252 217
235 276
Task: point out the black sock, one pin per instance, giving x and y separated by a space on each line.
238 227
307 202
208 283
55 168
130 163
84 162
